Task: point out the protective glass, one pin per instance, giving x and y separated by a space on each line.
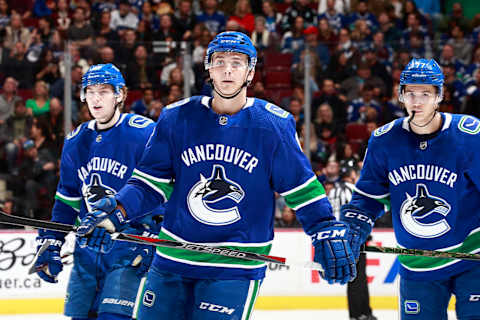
418 97
101 94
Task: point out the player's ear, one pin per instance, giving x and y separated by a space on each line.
119 97
250 76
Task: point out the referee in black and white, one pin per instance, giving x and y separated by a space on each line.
357 291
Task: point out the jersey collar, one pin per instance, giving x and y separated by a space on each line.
447 120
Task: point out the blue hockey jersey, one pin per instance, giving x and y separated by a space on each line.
226 169
433 188
96 163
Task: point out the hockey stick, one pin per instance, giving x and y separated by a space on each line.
221 251
423 253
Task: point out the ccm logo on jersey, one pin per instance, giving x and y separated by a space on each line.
360 217
329 234
474 297
215 308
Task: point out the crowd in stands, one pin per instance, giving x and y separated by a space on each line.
357 51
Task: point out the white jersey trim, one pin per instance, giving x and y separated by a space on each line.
151 185
146 175
371 195
303 185
122 117
206 101
300 206
91 125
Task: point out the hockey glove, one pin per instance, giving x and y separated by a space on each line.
99 240
49 263
143 259
360 227
332 251
104 215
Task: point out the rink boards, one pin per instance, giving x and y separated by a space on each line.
283 288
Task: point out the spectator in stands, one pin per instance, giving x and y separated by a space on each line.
341 67
288 219
148 15
318 150
378 69
18 66
80 31
125 50
393 109
294 39
345 155
140 71
243 16
324 117
392 34
4 15
328 95
383 51
185 19
345 44
327 35
295 107
15 131
76 59
107 55
361 34
448 57
123 18
175 93
35 47
62 17
167 31
473 65
462 47
47 68
40 103
272 18
178 63
335 19
459 90
262 38
142 105
104 29
311 42
299 8
362 13
84 115
414 27
449 103
16 32
259 90
8 98
57 90
155 109
213 19
364 108
37 171
352 86
456 18
331 172
56 121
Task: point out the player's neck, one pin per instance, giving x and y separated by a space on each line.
109 124
229 106
432 127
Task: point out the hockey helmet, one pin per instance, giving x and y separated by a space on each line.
232 41
102 74
421 71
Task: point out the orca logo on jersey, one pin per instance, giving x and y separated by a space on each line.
416 214
96 190
217 190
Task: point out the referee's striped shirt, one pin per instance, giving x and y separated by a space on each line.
341 194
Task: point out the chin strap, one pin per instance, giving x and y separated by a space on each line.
410 120
244 85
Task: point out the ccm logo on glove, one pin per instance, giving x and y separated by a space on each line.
329 234
360 217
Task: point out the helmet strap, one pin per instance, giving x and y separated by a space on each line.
245 84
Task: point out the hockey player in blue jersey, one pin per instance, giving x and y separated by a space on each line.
227 154
98 157
426 166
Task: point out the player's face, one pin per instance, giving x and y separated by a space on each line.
101 101
229 70
422 99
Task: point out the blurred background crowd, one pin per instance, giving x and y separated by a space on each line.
357 51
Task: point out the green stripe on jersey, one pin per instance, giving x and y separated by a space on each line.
165 187
208 259
302 196
75 204
470 245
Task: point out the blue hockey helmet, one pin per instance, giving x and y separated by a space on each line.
422 71
232 41
102 74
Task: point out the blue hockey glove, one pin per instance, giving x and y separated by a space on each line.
49 263
143 259
99 240
105 216
332 251
360 227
